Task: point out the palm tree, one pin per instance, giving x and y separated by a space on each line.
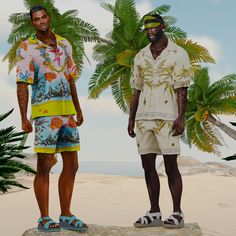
10 152
205 102
67 25
115 54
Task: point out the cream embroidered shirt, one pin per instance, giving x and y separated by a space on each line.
158 80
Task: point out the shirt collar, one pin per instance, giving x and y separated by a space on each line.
170 47
33 39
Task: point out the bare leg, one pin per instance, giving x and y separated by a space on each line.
152 180
41 183
174 180
66 181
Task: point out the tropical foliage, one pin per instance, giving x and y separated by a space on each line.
10 153
116 52
67 25
205 102
230 158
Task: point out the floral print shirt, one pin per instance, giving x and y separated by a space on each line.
158 79
48 71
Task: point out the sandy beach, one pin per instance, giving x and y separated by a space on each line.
208 200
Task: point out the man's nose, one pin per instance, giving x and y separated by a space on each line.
150 31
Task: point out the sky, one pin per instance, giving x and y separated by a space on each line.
104 135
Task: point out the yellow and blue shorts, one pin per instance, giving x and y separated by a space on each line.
56 134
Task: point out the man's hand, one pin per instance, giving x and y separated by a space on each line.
178 126
27 126
80 118
131 128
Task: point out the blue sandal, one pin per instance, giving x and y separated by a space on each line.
66 222
46 227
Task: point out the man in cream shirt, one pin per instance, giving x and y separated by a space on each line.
160 79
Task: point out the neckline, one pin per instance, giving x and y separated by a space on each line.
162 52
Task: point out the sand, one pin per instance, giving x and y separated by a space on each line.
208 200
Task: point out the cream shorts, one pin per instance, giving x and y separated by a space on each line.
155 136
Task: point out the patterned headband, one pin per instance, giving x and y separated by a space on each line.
151 21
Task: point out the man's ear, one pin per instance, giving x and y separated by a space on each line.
163 26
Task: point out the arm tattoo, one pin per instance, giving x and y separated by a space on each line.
74 95
22 97
181 100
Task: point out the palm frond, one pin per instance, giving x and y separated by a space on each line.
230 158
225 81
102 72
19 18
11 55
10 152
49 4
5 185
161 10
4 116
118 94
125 58
196 52
169 20
109 7
175 33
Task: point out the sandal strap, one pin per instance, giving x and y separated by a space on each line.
177 213
79 223
152 216
50 222
70 219
40 220
176 222
173 218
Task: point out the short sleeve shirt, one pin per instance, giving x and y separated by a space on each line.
158 79
48 71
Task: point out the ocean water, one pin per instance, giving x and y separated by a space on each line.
108 168
132 169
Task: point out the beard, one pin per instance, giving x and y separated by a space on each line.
157 37
43 29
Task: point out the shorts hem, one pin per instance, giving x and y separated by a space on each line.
57 150
141 152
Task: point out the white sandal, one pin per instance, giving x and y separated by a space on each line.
149 220
173 222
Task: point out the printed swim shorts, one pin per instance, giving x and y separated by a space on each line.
155 136
56 134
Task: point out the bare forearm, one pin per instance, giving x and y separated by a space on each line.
182 101
23 97
134 105
74 95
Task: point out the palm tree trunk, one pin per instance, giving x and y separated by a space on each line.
229 131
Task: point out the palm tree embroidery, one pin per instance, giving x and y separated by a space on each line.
140 126
160 124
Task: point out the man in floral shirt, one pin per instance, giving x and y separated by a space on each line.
45 62
160 79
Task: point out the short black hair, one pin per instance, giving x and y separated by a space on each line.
36 8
